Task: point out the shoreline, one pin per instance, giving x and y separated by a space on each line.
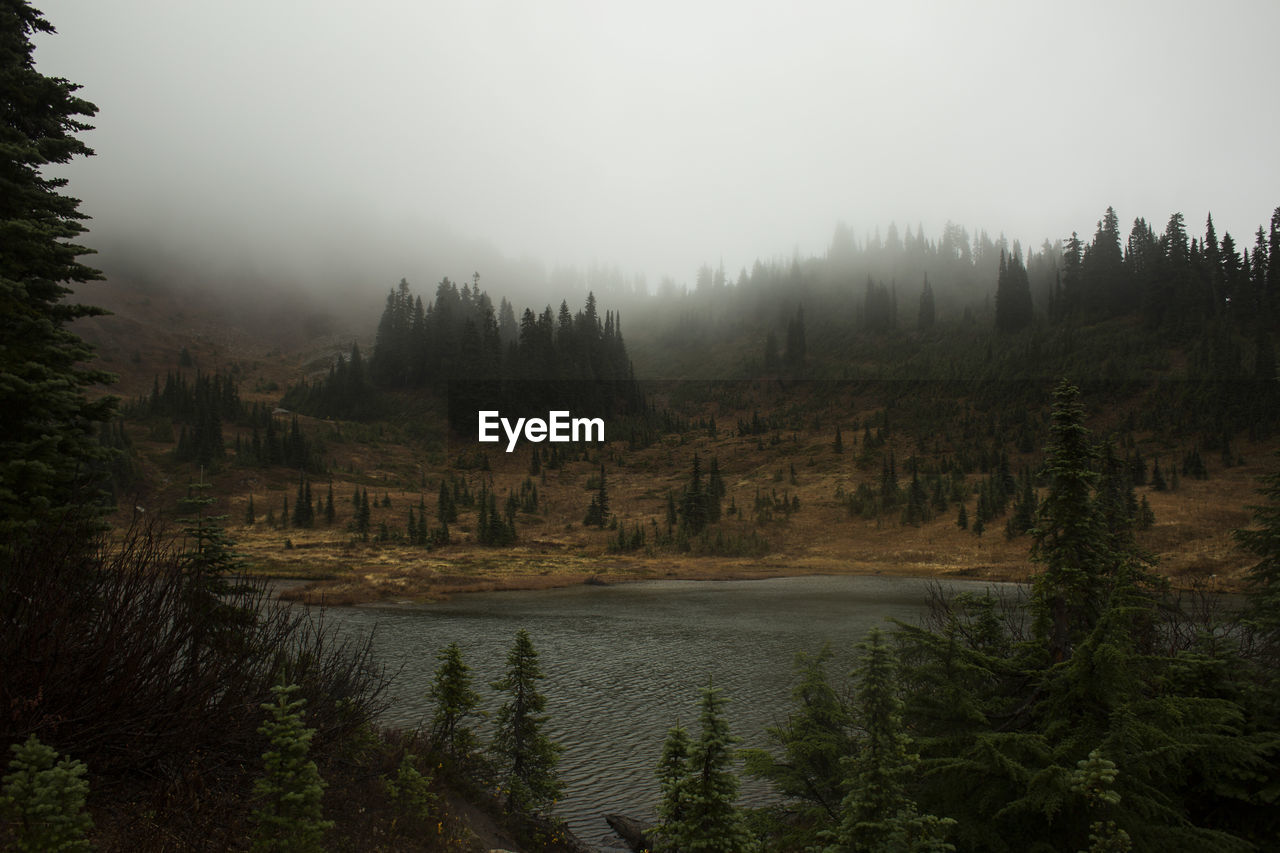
445 578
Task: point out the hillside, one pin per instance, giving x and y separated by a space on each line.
791 502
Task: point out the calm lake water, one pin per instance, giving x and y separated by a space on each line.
623 663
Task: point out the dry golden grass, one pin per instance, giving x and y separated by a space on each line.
1191 539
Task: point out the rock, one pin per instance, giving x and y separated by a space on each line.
631 831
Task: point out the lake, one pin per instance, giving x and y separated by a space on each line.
625 662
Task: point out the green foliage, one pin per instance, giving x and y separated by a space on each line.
698 810
344 393
493 528
456 703
673 785
291 817
525 756
44 798
1068 535
304 514
1263 541
627 540
1006 709
217 588
48 448
598 511
695 512
877 813
410 791
1094 778
815 739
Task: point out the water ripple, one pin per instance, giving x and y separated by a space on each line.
623 663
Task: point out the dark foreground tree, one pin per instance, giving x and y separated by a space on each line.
456 703
526 756
815 739
1263 541
878 814
1068 536
698 807
673 785
48 445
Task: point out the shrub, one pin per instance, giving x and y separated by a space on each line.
44 798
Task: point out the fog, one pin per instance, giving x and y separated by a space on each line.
347 145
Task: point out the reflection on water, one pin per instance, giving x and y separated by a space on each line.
623 663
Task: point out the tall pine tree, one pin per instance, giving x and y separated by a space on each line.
526 757
47 446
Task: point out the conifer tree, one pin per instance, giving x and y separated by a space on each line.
1068 536
446 508
1013 294
1146 516
926 317
214 575
48 449
456 703
1094 778
526 757
837 446
673 786
815 739
598 511
422 534
917 509
291 817
1157 477
712 821
877 812
1263 541
330 515
364 516
248 512
694 513
44 799
715 491
1024 507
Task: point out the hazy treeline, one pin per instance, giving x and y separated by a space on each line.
484 359
459 336
1174 283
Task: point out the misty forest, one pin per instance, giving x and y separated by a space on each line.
210 500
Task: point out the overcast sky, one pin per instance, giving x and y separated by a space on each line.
377 138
